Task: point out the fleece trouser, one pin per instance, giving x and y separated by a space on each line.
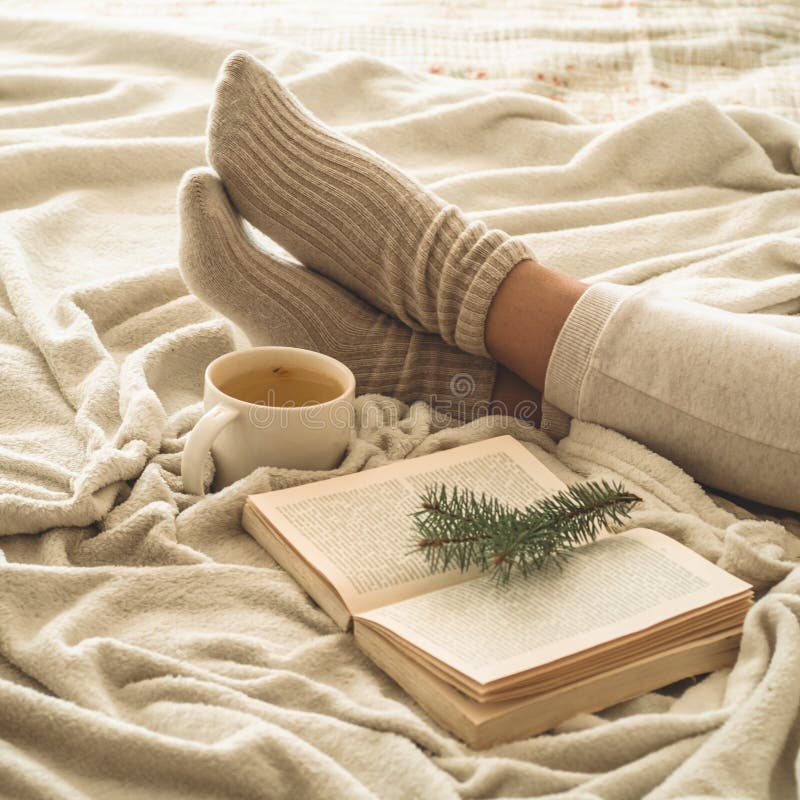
716 392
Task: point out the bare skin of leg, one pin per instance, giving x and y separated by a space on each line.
522 326
511 395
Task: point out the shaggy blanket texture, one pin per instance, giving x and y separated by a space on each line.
148 647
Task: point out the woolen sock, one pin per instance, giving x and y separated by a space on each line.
345 211
277 301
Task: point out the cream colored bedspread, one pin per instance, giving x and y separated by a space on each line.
148 648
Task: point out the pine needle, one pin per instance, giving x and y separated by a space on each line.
456 528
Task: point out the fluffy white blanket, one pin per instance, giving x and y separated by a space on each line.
148 648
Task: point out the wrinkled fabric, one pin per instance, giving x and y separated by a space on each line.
148 647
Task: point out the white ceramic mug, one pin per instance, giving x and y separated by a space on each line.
243 436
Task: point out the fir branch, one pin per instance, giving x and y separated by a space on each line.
456 527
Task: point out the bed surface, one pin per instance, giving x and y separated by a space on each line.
606 59
148 647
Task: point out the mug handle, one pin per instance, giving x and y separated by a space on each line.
199 442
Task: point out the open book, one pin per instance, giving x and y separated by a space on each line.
621 616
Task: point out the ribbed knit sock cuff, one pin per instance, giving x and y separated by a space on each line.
555 423
576 344
471 323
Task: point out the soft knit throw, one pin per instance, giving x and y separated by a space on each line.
148 647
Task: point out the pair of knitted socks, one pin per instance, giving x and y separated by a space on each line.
388 278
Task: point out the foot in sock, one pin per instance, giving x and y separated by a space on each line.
351 215
278 301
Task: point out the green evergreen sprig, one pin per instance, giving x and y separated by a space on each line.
456 528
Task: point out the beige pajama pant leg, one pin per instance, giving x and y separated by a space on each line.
716 392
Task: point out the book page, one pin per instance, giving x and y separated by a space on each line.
610 588
358 531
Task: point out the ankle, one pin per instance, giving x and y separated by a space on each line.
526 316
515 397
